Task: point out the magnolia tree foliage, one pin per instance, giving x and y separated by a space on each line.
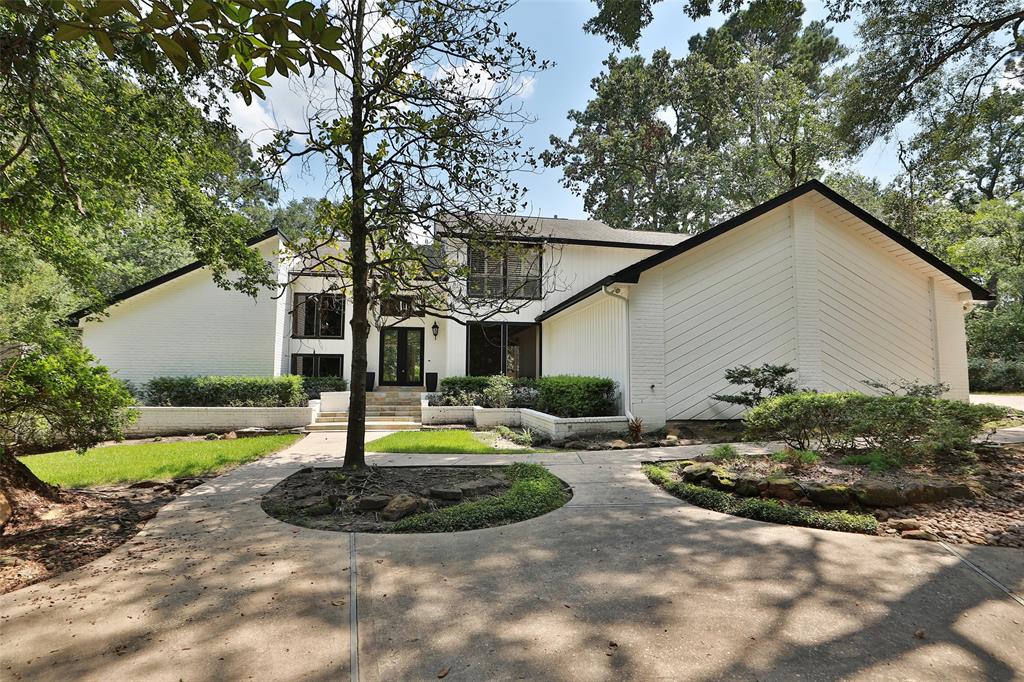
419 125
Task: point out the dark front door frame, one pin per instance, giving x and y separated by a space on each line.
401 357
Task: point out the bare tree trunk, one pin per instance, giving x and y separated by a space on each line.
355 455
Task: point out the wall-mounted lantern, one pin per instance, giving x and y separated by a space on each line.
434 329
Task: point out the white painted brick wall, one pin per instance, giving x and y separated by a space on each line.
647 349
177 421
188 326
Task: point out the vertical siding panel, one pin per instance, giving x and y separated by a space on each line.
587 341
647 349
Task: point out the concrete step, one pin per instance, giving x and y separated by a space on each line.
370 426
373 412
320 419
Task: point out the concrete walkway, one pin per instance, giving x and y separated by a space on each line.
624 582
1011 400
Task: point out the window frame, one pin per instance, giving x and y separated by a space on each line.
505 293
417 306
316 363
320 298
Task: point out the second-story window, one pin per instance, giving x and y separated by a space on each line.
401 306
318 316
514 275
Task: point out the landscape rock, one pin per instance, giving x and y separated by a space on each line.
5 510
253 431
445 493
668 442
576 445
828 494
905 524
721 479
747 485
875 493
920 535
372 502
146 484
401 506
230 435
306 502
618 444
698 471
783 489
319 509
479 486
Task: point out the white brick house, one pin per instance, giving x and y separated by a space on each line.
807 279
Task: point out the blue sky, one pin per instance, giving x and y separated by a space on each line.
554 29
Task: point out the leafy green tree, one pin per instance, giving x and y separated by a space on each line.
422 135
678 144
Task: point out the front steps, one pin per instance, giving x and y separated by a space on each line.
387 409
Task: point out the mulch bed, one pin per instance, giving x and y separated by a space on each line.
995 519
331 499
54 537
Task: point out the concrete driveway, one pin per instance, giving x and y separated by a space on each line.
624 582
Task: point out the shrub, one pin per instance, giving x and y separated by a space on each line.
911 388
762 510
225 391
723 453
498 391
765 381
314 386
534 491
905 428
796 459
576 396
463 384
524 437
874 460
995 375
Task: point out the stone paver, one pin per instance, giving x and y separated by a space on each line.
624 582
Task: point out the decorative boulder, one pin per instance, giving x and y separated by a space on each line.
372 502
697 472
872 493
479 486
748 485
445 492
721 479
401 506
619 444
783 489
828 494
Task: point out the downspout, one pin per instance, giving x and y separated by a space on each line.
627 390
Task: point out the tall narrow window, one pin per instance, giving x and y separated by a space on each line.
318 316
318 365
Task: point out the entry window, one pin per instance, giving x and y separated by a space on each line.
318 365
514 275
318 316
502 348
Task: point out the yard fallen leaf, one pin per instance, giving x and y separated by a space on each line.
443 673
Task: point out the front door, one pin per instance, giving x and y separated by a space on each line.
401 356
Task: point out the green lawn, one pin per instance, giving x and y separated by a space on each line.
149 461
455 442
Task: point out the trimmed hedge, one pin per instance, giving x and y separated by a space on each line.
905 428
573 396
758 509
534 491
561 396
995 376
314 386
225 391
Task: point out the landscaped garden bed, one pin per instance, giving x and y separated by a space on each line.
981 504
106 496
420 499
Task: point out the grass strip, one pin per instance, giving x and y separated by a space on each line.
534 491
151 461
760 509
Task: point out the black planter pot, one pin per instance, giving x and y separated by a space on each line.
431 381
370 376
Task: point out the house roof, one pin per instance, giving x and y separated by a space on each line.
631 274
74 317
588 233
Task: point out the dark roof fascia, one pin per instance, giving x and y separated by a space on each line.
74 317
569 240
631 274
